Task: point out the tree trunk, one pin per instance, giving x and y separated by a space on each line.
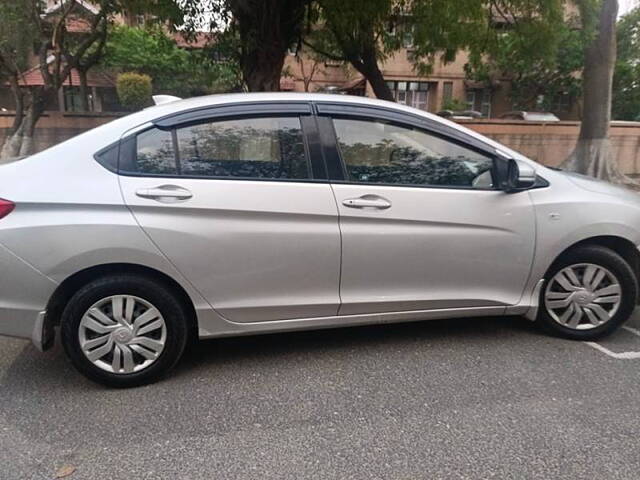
13 140
12 144
267 30
375 78
368 66
593 154
21 141
262 72
18 97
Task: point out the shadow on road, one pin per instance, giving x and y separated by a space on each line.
31 369
331 341
275 380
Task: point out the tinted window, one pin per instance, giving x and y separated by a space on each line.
108 157
248 148
154 153
376 152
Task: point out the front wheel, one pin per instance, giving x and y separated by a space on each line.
124 330
589 292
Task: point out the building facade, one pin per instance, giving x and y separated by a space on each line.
446 88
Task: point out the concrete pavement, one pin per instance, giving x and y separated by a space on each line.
473 398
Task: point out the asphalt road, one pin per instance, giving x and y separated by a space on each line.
473 398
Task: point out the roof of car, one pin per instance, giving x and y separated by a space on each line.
177 106
228 98
113 131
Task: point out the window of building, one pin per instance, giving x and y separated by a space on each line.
471 99
561 103
479 99
447 91
485 106
73 100
7 100
109 100
381 153
413 94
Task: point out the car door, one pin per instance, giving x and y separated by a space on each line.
423 225
235 198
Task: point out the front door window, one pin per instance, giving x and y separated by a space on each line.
382 153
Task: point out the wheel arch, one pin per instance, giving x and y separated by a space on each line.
71 284
622 246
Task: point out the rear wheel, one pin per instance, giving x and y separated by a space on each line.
589 292
124 330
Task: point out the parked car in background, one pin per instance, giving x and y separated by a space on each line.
252 213
460 114
530 116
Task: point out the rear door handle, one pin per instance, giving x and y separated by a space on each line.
165 193
367 201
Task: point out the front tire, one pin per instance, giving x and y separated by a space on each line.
124 330
589 292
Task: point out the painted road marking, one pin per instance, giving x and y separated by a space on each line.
621 355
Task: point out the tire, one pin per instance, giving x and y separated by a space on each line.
572 280
130 360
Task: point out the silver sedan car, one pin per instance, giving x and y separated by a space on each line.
251 213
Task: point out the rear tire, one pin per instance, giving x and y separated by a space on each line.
588 293
124 330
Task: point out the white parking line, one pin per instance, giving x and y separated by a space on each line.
635 331
621 355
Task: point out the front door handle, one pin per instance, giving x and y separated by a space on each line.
367 201
165 193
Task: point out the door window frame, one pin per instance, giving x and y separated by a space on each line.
337 167
316 166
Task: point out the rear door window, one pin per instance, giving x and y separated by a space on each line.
252 148
263 148
155 153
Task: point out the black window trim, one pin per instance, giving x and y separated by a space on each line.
313 153
321 146
231 110
102 151
403 118
338 172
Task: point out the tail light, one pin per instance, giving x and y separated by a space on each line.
6 207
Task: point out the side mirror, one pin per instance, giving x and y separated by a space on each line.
520 176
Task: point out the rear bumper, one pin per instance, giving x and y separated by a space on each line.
24 294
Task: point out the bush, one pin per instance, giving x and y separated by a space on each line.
454 105
134 90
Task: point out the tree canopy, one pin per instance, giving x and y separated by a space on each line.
151 51
367 32
31 28
256 33
539 76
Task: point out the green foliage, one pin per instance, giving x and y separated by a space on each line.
533 46
134 90
436 30
258 32
454 104
17 30
174 70
626 80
